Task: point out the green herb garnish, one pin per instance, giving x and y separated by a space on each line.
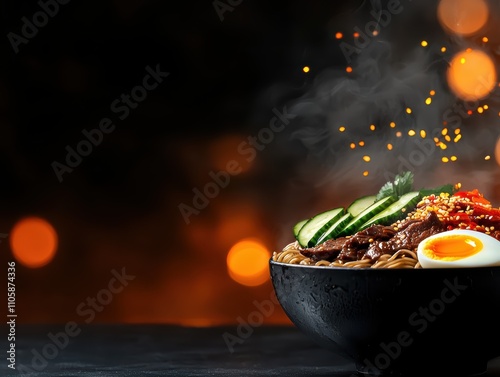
402 184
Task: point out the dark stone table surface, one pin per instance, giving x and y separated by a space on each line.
70 350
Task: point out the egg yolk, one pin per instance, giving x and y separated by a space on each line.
452 247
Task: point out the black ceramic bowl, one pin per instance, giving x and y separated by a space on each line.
397 321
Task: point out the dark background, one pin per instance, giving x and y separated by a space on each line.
119 207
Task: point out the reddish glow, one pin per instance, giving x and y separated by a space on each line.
226 154
463 17
338 35
248 262
471 75
234 228
33 241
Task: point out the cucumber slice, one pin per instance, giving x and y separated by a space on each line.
297 227
315 226
335 228
396 210
359 205
355 224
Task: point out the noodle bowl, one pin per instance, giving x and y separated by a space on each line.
357 292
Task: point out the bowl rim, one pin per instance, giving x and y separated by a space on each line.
448 269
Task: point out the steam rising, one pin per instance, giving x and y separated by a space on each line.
383 85
378 92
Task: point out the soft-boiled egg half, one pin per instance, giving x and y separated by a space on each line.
459 248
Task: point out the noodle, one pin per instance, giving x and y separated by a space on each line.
403 258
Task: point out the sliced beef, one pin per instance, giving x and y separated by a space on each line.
408 237
356 246
349 248
328 250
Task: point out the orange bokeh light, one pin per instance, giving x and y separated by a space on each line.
497 152
248 262
463 17
33 241
471 75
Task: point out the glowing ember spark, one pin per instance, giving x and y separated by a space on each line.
366 158
338 35
306 69
424 43
341 128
